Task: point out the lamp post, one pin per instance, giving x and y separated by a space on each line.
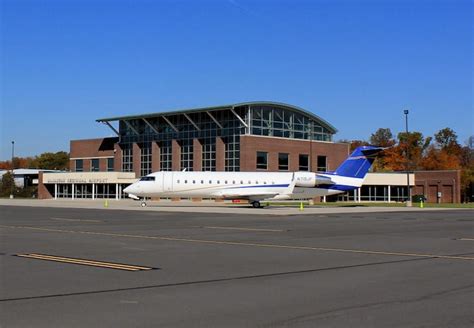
408 203
13 167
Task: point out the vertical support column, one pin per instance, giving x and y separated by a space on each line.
93 191
220 154
197 155
137 153
73 191
175 155
355 194
389 194
116 191
55 191
118 158
155 157
359 194
324 199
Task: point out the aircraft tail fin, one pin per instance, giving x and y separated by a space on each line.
359 162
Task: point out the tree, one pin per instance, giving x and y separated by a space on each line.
7 184
439 159
416 145
383 137
447 140
52 161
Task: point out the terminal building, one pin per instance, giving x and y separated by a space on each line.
251 136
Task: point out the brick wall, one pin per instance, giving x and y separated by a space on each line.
429 183
335 153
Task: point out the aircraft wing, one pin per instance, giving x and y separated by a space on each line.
257 193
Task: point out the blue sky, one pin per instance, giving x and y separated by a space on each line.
357 64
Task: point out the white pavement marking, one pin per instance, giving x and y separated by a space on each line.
244 229
75 220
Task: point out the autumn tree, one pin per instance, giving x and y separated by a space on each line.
383 137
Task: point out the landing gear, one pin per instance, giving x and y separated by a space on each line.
256 204
143 204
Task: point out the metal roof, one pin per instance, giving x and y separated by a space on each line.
323 122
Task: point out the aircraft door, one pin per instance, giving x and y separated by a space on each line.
168 181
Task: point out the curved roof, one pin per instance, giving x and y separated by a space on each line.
300 110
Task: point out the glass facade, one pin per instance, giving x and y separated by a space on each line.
145 159
261 119
187 155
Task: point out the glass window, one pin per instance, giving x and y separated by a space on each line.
262 160
303 162
283 162
79 165
147 179
322 163
110 164
94 165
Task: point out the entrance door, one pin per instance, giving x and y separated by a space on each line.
168 181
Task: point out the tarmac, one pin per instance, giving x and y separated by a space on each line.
86 267
206 206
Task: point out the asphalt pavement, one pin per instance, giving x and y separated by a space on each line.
70 267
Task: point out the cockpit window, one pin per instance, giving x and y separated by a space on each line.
147 179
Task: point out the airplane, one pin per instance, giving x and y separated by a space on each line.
256 186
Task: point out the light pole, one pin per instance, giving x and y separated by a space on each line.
408 203
13 167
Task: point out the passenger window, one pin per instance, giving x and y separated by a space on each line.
185 181
202 181
241 182
177 181
225 181
250 182
233 182
218 182
194 181
256 182
264 182
210 181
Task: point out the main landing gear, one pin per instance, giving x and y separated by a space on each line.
256 204
143 203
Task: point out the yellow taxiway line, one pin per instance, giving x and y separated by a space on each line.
236 243
101 264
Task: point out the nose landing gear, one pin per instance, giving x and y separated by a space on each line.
143 203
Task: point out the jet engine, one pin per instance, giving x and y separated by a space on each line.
310 180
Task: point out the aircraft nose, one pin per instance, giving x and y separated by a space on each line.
129 189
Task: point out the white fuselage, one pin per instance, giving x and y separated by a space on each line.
234 185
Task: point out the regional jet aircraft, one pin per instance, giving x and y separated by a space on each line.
257 186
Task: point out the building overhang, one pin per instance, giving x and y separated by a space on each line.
229 107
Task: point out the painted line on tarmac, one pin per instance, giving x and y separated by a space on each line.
243 229
70 260
75 220
236 243
470 239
